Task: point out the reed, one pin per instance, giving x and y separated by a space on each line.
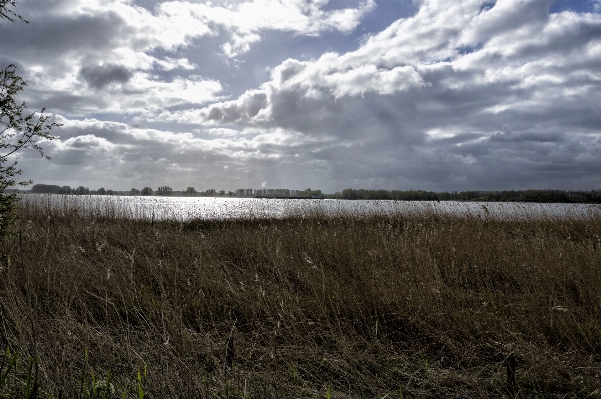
96 302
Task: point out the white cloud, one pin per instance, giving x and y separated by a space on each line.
459 95
168 64
223 132
247 19
142 45
88 142
454 68
174 24
515 43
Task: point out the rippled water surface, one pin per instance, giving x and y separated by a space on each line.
186 208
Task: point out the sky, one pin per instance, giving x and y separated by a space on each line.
436 95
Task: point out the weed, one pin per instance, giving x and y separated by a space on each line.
361 303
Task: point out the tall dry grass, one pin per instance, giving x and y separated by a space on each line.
411 305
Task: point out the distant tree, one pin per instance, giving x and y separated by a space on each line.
191 191
134 191
46 189
210 192
222 192
81 190
147 191
310 193
101 191
65 190
349 193
164 190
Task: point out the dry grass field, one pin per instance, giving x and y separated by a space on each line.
305 306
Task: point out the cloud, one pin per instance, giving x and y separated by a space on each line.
171 25
133 58
103 75
298 16
139 156
460 95
245 108
449 71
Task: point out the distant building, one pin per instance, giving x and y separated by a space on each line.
273 192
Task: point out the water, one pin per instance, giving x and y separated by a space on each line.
186 208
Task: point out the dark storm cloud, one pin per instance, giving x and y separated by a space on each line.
5 61
51 38
541 137
103 75
72 158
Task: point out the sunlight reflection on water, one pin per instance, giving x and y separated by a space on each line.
187 208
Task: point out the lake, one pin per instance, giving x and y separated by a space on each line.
186 208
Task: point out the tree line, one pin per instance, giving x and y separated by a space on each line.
145 191
593 196
168 191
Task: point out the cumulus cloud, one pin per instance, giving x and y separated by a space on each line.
457 70
175 24
113 43
244 109
468 94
